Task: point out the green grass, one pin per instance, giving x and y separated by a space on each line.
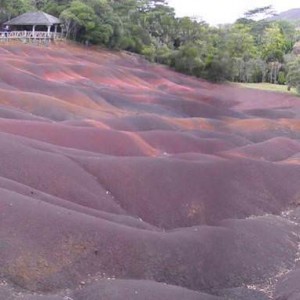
268 87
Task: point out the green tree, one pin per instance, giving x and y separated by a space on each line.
11 8
79 19
187 60
293 75
274 44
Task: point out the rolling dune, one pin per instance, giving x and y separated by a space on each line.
120 179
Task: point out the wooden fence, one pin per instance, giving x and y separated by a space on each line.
29 35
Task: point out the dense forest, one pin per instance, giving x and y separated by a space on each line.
250 50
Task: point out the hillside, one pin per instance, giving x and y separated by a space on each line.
120 179
289 15
248 51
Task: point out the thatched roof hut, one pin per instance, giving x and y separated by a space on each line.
36 25
34 19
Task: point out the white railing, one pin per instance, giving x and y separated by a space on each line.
29 35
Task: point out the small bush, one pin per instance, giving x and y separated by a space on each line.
281 78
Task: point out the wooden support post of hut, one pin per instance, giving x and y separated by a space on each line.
34 26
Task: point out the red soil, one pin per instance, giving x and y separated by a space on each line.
124 180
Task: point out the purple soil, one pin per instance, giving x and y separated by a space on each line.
288 288
120 179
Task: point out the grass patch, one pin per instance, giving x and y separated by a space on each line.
269 87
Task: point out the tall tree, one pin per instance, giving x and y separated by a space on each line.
293 76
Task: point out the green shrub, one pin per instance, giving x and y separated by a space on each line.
149 52
281 78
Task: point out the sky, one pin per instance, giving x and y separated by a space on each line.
226 11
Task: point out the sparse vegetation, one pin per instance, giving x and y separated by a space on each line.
269 87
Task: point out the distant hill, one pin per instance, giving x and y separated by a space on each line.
289 15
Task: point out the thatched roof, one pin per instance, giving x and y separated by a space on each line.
34 18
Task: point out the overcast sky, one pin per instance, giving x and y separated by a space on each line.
226 11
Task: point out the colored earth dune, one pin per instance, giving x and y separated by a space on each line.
120 179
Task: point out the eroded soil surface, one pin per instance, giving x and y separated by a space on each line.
124 180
